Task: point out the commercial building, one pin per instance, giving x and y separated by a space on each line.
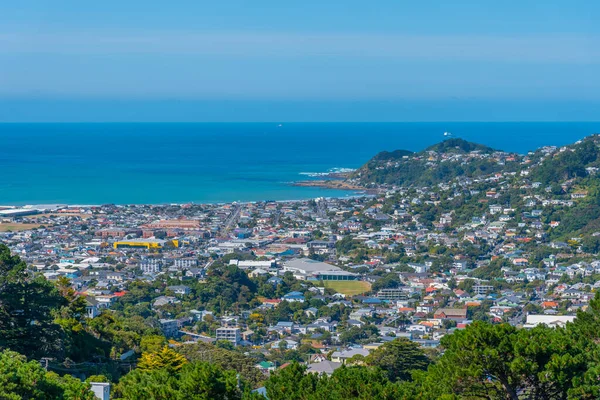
151 265
117 232
185 224
143 243
18 212
169 327
232 335
392 294
185 263
252 264
482 289
307 269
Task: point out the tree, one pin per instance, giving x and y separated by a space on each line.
499 361
148 385
152 343
20 379
194 381
398 358
282 346
591 244
27 304
226 359
165 359
204 381
349 383
293 383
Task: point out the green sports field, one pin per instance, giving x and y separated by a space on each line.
349 288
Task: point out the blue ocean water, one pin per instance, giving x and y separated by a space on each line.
221 162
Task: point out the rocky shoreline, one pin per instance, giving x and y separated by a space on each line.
329 184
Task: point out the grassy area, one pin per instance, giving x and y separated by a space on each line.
349 288
6 227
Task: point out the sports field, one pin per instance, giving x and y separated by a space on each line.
349 288
11 227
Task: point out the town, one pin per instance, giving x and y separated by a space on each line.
325 282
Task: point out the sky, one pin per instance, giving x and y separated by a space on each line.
273 60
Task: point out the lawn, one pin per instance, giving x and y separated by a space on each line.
349 288
6 227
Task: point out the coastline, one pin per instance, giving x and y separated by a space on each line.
363 192
329 184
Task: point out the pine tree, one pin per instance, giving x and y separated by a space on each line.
165 359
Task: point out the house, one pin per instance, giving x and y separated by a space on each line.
294 297
321 246
284 326
495 209
326 326
275 280
311 312
418 328
344 355
551 321
265 366
197 273
460 265
457 314
258 272
287 343
579 195
101 390
419 268
179 289
324 367
164 300
91 307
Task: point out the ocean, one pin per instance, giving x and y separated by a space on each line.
126 163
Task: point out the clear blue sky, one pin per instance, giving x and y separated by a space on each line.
273 60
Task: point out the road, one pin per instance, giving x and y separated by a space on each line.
322 208
231 220
276 217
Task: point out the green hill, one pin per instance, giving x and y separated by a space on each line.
457 145
441 162
569 163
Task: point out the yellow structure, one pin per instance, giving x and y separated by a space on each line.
145 243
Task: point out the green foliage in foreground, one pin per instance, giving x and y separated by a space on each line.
20 379
194 381
397 358
292 383
226 359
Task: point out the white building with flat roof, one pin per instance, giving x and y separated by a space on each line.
308 269
232 335
552 321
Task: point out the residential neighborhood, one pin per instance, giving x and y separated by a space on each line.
327 281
